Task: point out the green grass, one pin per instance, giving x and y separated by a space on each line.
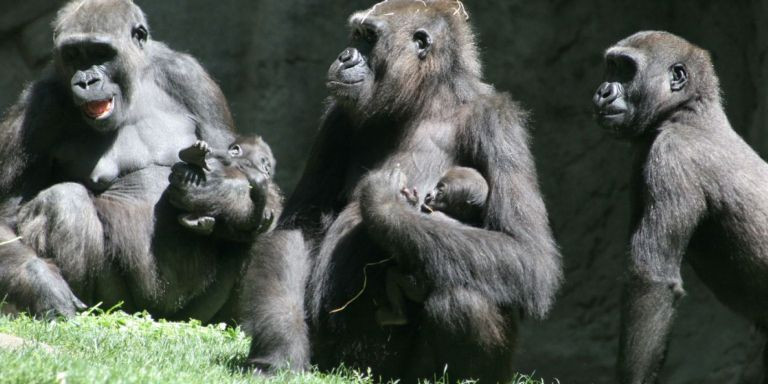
114 347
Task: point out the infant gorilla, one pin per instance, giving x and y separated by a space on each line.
460 195
248 157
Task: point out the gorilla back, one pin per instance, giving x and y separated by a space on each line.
85 157
700 187
407 93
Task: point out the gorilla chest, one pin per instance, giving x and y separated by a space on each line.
97 160
423 154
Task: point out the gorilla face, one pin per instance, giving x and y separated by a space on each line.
99 61
642 86
252 157
393 64
351 76
437 198
461 193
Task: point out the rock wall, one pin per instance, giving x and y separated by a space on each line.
270 57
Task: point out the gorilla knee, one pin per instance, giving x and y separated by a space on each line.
61 223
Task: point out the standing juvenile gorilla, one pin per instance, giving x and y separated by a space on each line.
85 158
408 91
700 186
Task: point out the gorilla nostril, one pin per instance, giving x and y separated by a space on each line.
607 92
346 55
428 198
350 58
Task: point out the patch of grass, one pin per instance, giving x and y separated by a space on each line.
114 347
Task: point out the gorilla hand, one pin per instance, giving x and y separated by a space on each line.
381 191
56 298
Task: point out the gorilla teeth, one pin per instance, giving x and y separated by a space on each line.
99 109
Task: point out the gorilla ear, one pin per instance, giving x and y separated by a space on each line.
140 34
679 77
423 43
235 150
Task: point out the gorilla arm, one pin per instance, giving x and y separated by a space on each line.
673 205
513 261
28 132
318 192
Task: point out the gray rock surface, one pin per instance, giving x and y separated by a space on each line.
270 57
14 342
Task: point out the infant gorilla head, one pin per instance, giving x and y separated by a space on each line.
249 158
460 194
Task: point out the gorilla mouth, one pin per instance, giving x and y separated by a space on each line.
99 109
608 113
344 83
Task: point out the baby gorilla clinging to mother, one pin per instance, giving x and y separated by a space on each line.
460 195
248 157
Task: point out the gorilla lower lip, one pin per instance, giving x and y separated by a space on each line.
98 109
344 83
611 113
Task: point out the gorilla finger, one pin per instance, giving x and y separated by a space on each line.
79 305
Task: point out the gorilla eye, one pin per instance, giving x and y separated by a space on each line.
100 53
370 36
423 43
365 34
70 54
679 77
235 151
140 34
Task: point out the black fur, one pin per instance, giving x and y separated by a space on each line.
408 93
85 157
461 196
700 188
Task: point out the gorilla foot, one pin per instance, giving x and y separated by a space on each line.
266 367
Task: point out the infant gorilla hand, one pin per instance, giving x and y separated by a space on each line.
387 186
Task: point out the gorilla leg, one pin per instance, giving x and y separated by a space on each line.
399 286
165 265
31 283
61 224
273 302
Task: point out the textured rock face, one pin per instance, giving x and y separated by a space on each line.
271 57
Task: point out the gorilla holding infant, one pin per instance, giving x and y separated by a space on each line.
407 93
85 161
87 154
